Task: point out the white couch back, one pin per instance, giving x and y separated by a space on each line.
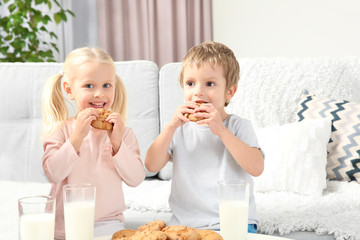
20 119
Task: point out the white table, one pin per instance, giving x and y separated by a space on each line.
251 236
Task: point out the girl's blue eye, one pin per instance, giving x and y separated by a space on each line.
190 84
89 86
107 85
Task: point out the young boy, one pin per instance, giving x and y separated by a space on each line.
220 146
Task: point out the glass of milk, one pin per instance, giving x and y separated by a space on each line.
37 218
79 211
233 209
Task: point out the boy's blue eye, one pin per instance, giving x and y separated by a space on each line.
89 86
107 85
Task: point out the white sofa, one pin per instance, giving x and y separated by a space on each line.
293 197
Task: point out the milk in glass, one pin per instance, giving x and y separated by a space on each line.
37 226
234 219
79 220
234 209
79 211
37 217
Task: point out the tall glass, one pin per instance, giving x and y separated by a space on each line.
79 211
233 209
37 218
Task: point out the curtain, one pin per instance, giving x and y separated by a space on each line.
158 30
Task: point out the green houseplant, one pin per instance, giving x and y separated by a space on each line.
22 30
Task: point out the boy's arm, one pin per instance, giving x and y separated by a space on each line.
157 155
249 158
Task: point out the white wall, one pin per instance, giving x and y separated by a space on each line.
288 28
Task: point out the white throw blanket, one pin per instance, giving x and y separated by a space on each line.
336 212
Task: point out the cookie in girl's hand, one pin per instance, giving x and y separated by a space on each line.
100 122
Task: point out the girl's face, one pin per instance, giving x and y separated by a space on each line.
91 84
207 84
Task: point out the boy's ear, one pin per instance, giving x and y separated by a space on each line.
231 92
67 90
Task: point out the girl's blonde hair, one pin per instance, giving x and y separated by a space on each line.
216 54
54 108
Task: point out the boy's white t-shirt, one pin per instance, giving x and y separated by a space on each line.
200 160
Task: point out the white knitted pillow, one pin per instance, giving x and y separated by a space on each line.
295 157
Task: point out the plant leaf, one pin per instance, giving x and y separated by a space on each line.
11 7
57 17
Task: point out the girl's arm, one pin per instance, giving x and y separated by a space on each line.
127 160
249 158
59 158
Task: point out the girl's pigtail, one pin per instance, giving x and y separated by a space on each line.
54 109
120 99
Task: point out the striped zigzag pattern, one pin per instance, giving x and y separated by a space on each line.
344 145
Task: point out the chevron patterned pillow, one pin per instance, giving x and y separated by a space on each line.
344 145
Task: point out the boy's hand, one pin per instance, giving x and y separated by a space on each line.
178 118
115 134
212 118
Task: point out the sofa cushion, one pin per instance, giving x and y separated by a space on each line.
343 148
171 93
295 157
171 96
20 119
141 79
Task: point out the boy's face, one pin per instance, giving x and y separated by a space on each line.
207 84
92 84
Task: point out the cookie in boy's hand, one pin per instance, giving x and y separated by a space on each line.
191 117
100 122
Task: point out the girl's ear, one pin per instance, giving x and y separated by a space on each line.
67 90
230 92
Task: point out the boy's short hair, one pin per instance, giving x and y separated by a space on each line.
216 54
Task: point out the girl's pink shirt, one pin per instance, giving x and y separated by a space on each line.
94 164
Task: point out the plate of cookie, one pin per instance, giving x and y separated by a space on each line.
157 230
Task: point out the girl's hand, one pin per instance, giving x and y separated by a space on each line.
82 126
178 118
115 134
212 118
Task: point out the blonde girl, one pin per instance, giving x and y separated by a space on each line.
75 152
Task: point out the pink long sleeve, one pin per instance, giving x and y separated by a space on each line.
93 164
